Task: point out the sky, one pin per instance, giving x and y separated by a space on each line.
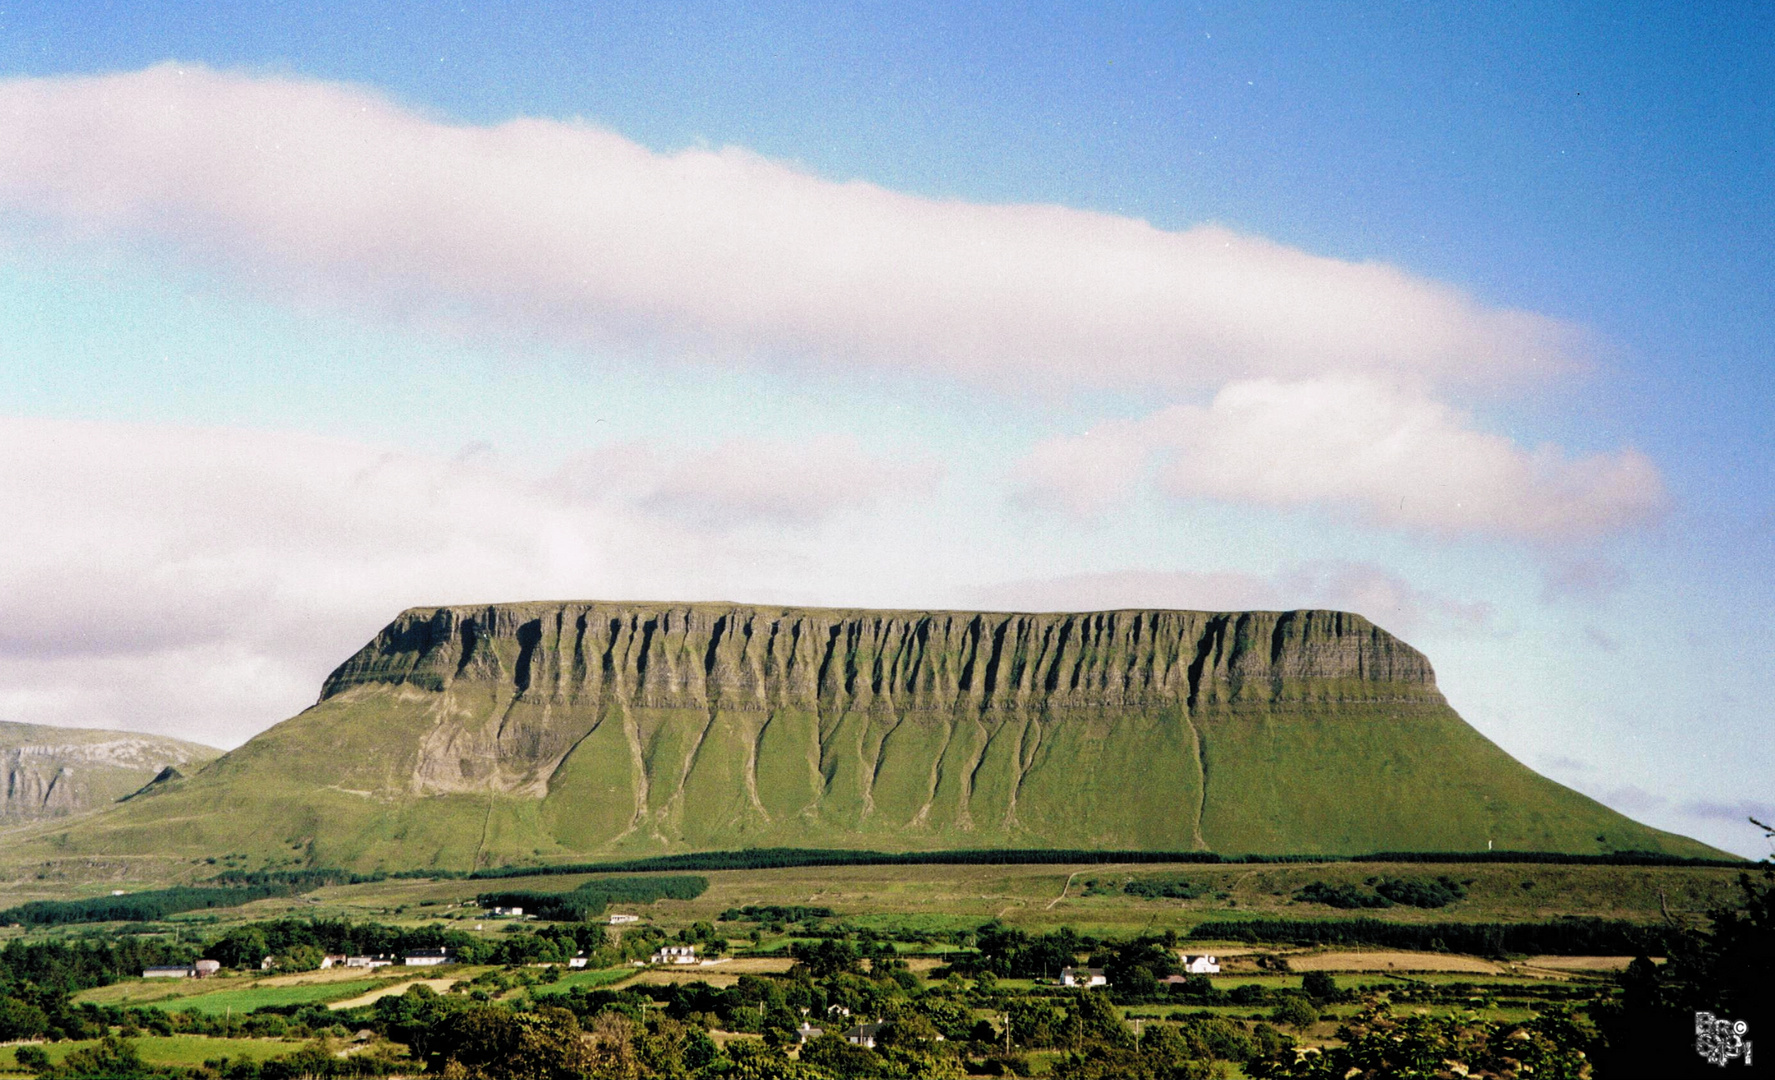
1452 315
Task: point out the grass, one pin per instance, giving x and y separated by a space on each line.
167 1050
248 999
208 997
939 899
590 980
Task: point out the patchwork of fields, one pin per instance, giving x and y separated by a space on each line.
926 919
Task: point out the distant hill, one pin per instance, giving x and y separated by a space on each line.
54 772
465 737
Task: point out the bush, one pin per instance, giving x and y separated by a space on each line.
32 1058
1422 892
21 1020
1320 986
1167 888
1341 896
1296 1012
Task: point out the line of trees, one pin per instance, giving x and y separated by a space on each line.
300 943
1412 892
594 897
778 858
140 906
777 913
1564 937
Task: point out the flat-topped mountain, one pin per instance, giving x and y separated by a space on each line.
55 772
470 736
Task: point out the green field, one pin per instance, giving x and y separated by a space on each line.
941 898
917 908
246 999
166 1050
588 979
238 994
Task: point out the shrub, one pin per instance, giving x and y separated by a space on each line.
1320 986
1341 896
21 1020
1168 888
1296 1012
1422 892
33 1058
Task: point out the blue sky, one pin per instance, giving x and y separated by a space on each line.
203 359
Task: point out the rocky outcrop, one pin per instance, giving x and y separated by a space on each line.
50 772
693 656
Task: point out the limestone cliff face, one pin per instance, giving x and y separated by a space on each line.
651 720
694 656
479 735
48 772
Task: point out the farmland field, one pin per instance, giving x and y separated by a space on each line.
1436 951
166 1050
1090 897
240 994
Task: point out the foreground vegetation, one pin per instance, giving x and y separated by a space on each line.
956 996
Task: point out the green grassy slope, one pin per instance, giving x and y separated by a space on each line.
472 737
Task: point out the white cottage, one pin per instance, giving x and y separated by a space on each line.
675 954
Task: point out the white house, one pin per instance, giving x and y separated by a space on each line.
1082 977
507 912
367 961
428 957
168 971
331 959
1201 965
807 1032
576 961
203 969
863 1035
675 954
618 920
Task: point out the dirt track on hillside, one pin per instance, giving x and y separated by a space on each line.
440 985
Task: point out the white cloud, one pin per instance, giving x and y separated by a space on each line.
202 582
1384 598
753 481
1387 457
570 230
